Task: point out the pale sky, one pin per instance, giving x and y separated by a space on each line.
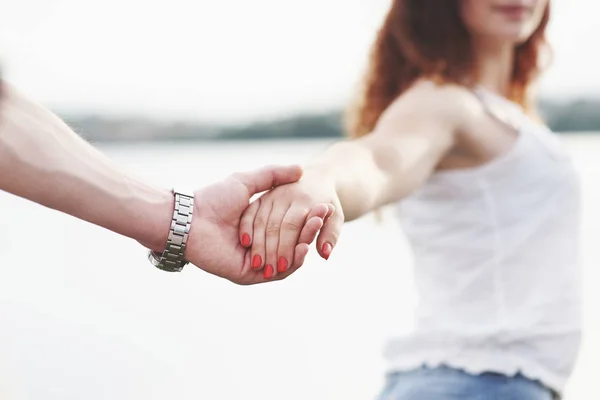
227 60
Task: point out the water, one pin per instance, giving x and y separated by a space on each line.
84 316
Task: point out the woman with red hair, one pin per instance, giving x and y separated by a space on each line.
487 196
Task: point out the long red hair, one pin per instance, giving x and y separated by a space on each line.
428 39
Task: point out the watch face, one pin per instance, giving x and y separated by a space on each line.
154 258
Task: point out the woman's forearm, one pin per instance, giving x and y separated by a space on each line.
43 160
382 167
355 172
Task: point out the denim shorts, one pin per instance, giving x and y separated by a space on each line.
444 383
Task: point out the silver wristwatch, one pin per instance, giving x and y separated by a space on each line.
171 259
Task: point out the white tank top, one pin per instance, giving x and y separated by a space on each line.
497 262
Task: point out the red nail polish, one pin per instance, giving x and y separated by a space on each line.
256 261
327 248
282 264
268 271
245 240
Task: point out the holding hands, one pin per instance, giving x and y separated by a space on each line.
274 225
215 245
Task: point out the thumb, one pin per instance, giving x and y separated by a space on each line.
268 177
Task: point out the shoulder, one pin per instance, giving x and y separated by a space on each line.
447 106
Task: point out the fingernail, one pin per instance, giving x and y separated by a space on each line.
282 264
327 248
256 261
268 271
245 240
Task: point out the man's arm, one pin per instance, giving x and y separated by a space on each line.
43 160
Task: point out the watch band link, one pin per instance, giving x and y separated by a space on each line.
172 258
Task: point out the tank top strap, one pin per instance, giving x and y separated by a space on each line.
500 108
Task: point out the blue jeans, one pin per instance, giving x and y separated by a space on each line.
445 383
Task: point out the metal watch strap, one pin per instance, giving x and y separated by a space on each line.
172 259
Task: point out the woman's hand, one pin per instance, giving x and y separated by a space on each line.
272 224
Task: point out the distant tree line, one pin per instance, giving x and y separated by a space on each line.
575 116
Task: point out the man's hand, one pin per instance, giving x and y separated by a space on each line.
214 242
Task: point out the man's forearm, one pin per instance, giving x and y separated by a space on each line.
43 160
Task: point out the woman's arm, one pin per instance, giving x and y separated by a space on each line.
411 138
360 175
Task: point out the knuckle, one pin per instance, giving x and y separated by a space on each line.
303 211
335 235
270 168
273 229
238 177
291 225
330 236
260 220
